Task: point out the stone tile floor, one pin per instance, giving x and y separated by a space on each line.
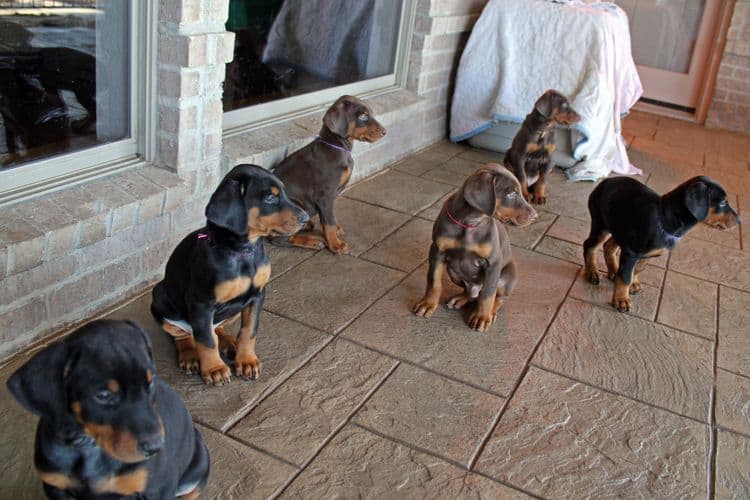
564 397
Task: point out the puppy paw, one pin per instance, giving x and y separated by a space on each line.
340 231
622 304
425 308
636 287
458 301
540 199
188 362
339 247
480 321
247 367
592 276
217 375
611 275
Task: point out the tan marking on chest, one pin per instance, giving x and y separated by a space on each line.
231 289
484 250
57 479
262 275
444 243
533 147
550 148
125 484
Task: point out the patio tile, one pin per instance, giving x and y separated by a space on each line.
728 238
406 248
689 304
238 471
454 171
285 258
328 291
450 426
422 162
712 262
734 325
17 431
450 148
491 360
644 306
364 224
483 156
294 421
360 464
530 235
559 437
432 212
732 466
733 401
283 346
689 154
569 229
566 197
630 356
640 124
399 191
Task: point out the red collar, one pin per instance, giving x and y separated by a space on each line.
456 221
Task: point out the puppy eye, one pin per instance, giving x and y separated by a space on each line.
723 203
364 117
511 195
272 199
104 397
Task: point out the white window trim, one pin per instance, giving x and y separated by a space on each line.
66 169
253 117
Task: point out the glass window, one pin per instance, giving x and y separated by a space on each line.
286 48
64 77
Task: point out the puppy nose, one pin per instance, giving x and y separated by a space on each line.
383 132
152 445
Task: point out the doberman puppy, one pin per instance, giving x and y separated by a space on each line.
530 154
219 273
109 426
474 247
628 215
316 174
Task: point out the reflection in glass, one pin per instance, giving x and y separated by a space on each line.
64 76
292 47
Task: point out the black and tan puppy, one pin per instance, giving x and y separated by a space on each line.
530 154
628 215
316 174
218 273
473 247
109 426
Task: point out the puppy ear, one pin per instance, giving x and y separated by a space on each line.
696 199
335 119
545 105
479 191
144 336
38 384
227 208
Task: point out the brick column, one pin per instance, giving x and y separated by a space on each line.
193 50
730 106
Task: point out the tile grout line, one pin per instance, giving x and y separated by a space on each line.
495 421
712 433
274 387
334 432
741 375
544 234
662 287
615 393
425 451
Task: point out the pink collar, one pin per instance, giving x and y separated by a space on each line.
456 221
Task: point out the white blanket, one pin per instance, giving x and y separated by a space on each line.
520 48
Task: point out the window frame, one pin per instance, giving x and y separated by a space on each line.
70 168
246 119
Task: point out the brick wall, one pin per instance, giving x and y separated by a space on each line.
68 256
730 106
440 33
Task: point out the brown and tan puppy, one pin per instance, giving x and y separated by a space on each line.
316 174
530 154
474 248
